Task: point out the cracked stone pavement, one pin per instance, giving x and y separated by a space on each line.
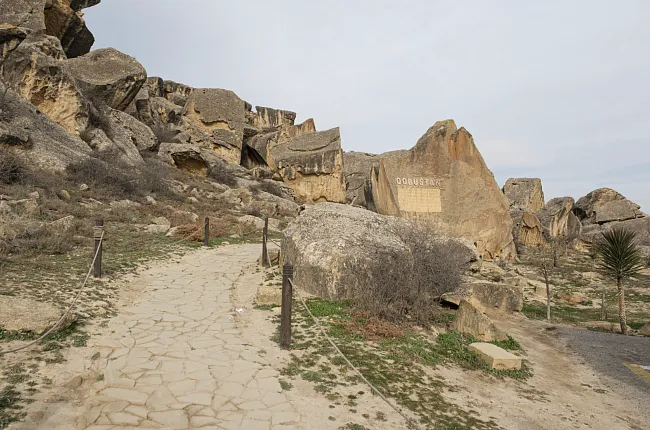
175 359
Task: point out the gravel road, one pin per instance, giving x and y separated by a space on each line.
606 353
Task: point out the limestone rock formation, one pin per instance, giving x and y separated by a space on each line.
524 193
605 205
527 229
472 321
334 247
59 18
108 76
214 118
312 165
357 167
444 181
34 136
558 221
499 297
10 37
36 70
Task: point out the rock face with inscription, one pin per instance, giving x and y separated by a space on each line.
312 165
444 181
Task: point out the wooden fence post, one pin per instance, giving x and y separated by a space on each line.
265 250
285 315
206 234
98 231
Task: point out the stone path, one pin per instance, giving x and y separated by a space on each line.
175 360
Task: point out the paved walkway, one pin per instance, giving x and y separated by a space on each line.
175 360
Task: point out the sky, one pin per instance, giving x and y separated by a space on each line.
553 89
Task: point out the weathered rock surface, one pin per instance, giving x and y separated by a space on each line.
185 156
64 21
37 138
527 229
312 165
499 297
334 247
524 193
357 167
36 70
27 315
496 358
473 321
444 181
487 296
10 37
59 18
257 144
605 205
108 76
558 221
214 118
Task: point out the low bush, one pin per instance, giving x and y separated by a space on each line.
409 289
270 187
222 176
12 167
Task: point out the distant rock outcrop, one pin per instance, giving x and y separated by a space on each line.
444 181
312 165
357 167
604 209
605 205
558 221
524 193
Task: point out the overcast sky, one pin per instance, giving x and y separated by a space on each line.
553 89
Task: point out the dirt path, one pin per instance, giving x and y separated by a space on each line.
178 358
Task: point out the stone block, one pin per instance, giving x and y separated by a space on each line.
495 357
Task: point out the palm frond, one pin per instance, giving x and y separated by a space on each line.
619 253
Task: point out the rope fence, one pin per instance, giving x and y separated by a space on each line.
67 312
336 348
95 268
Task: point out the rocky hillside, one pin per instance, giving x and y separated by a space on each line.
63 104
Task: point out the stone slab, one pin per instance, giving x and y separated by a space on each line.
497 358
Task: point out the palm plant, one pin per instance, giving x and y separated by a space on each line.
620 257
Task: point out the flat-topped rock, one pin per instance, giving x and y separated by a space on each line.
495 357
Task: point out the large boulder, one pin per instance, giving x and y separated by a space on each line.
524 193
335 249
605 205
43 142
558 221
312 165
108 76
499 297
471 320
214 118
63 19
36 70
444 181
58 18
190 158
